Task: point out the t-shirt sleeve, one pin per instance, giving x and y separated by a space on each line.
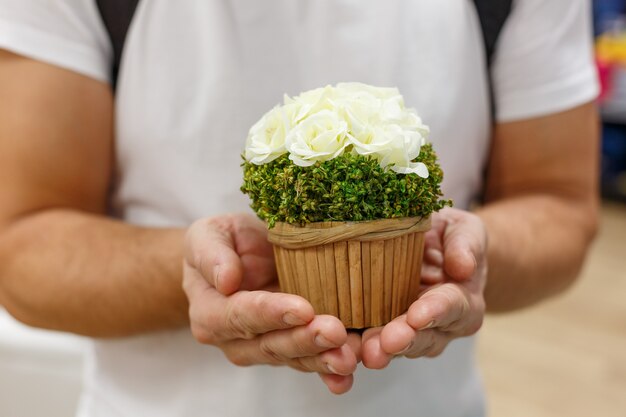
65 33
544 60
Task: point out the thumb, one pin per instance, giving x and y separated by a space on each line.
464 245
210 249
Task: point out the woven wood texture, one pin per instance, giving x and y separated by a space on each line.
363 283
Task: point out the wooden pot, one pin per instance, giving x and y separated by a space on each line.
365 273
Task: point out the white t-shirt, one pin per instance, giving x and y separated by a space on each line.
195 76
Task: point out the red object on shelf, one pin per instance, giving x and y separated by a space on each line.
605 74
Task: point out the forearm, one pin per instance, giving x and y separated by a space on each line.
537 245
70 271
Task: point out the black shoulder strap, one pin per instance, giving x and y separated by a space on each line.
117 15
492 14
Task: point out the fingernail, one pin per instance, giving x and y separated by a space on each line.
322 342
407 348
428 326
436 256
292 320
331 369
216 275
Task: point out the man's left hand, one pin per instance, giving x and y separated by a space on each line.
451 305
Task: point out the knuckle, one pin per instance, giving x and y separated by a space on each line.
259 302
199 330
197 228
474 326
425 342
464 307
435 350
270 354
200 262
300 364
188 281
430 342
304 348
237 326
202 335
477 316
481 306
237 357
224 224
447 295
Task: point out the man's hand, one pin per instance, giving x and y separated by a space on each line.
451 305
229 277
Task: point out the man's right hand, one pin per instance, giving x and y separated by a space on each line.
229 277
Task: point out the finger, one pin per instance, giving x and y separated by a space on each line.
434 256
355 343
432 265
249 313
433 239
446 307
338 384
321 334
429 343
216 318
256 253
373 355
432 274
397 336
193 283
210 248
465 242
318 347
338 361
274 287
400 339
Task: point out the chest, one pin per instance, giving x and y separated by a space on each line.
197 75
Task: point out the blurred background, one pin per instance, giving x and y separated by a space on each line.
565 357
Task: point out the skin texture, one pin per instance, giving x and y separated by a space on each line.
64 265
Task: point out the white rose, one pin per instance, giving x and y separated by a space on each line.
401 147
266 138
384 104
361 110
366 106
311 102
411 121
319 137
368 139
318 124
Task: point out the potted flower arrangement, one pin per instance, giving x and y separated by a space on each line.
346 181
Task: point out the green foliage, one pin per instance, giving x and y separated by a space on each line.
349 187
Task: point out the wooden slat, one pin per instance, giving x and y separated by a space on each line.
377 271
356 284
342 272
402 276
298 268
323 277
388 295
366 282
395 296
283 274
414 288
316 296
331 280
408 271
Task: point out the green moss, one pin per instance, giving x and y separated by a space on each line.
349 187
